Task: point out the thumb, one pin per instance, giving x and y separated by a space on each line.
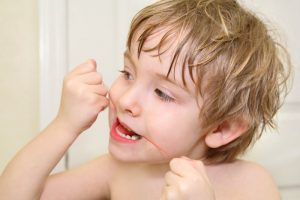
93 63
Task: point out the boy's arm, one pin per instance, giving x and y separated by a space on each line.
86 182
25 175
82 99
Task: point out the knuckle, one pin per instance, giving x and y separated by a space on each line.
95 112
174 162
95 77
98 79
199 163
81 92
98 76
183 187
104 89
196 180
69 83
104 104
91 64
92 99
171 193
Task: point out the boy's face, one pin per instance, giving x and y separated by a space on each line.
161 111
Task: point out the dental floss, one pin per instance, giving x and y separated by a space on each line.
163 152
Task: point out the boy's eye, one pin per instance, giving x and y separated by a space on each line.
163 96
127 75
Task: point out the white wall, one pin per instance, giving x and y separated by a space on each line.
98 29
91 38
18 76
279 151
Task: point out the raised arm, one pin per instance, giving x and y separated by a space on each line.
83 97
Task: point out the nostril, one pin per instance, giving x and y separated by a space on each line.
128 100
133 110
130 112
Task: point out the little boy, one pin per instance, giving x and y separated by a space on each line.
201 81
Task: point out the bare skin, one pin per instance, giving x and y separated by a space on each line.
27 175
229 181
131 181
146 175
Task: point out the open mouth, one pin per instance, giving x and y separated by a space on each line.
123 133
120 132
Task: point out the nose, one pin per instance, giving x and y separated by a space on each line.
130 102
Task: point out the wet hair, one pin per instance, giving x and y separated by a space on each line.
240 69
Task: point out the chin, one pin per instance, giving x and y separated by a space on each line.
122 156
125 156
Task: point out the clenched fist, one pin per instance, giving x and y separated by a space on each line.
187 180
83 97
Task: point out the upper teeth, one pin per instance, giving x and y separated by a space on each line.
132 137
127 128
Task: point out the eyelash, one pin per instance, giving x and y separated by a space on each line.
163 96
126 74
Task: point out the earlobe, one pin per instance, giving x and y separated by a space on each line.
226 132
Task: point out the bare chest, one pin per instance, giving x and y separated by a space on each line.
136 188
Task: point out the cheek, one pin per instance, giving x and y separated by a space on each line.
116 90
114 94
176 131
113 91
111 114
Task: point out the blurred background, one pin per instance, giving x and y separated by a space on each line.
40 40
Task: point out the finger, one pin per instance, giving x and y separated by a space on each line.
104 102
183 167
98 89
91 78
192 169
172 178
200 168
169 193
88 66
99 103
198 165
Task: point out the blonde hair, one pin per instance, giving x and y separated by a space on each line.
232 50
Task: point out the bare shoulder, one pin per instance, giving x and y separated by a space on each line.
245 180
89 181
254 181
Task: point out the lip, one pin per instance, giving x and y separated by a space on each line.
124 125
115 136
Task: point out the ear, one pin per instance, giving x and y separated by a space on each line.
226 132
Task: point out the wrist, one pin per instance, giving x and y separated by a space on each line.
66 126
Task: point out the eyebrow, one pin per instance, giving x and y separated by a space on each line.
128 56
160 76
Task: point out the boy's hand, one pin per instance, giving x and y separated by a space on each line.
187 179
83 97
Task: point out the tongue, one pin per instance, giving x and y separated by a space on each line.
125 131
